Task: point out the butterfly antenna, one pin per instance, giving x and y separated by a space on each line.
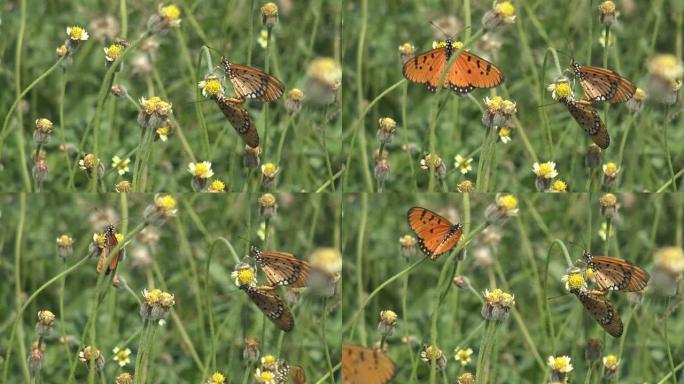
546 105
557 297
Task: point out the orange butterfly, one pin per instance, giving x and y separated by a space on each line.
602 84
365 366
252 83
436 235
109 245
615 274
601 310
271 305
589 119
467 72
282 268
295 374
233 109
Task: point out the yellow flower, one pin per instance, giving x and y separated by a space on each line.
430 353
210 86
603 231
608 200
545 170
201 170
611 169
505 8
44 125
268 362
670 259
504 134
560 364
443 43
263 38
113 52
389 317
407 49
327 259
121 165
269 9
88 161
607 7
561 89
269 170
216 378
123 186
295 94
267 200
77 33
558 185
667 66
462 164
407 241
574 280
62 50
166 203
463 356
216 186
122 356
244 274
170 13
163 132
264 377
508 203
326 70
46 317
611 362
502 13
65 241
465 186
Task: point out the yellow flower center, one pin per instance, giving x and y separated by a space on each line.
545 169
201 170
89 161
610 169
170 12
590 274
407 49
433 160
608 200
217 186
163 108
267 200
504 132
217 378
295 94
610 361
639 94
508 202
46 316
119 237
166 202
388 316
495 103
575 281
100 239
122 354
563 89
166 299
267 376
607 8
44 125
559 186
150 105
64 241
163 131
114 51
269 169
76 33
153 296
269 9
246 276
559 364
212 86
407 241
505 8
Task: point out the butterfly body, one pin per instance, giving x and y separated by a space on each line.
589 119
603 84
600 310
282 268
466 73
362 365
238 116
271 305
436 235
110 243
615 274
252 83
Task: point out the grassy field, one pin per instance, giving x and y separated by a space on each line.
87 119
526 256
646 146
191 256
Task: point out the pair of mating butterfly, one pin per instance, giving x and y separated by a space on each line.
436 236
469 72
281 269
248 83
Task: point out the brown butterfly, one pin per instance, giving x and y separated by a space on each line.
602 84
294 373
466 73
436 235
615 274
233 109
282 268
271 305
109 245
252 83
588 118
601 310
362 365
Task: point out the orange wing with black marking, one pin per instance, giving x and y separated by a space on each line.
238 117
589 119
603 84
362 365
615 274
271 305
282 268
251 82
602 311
436 235
110 243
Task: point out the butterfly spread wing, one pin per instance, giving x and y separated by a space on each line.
471 71
615 274
253 83
602 84
272 306
365 366
602 311
239 118
436 235
282 268
297 375
588 118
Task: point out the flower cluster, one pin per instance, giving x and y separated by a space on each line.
162 209
154 112
560 368
432 353
499 112
504 206
156 304
91 355
501 14
497 305
45 323
388 322
201 172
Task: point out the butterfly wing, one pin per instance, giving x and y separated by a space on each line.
110 243
436 235
239 118
589 119
272 306
426 68
297 375
602 84
282 268
615 274
253 83
470 71
365 366
602 311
